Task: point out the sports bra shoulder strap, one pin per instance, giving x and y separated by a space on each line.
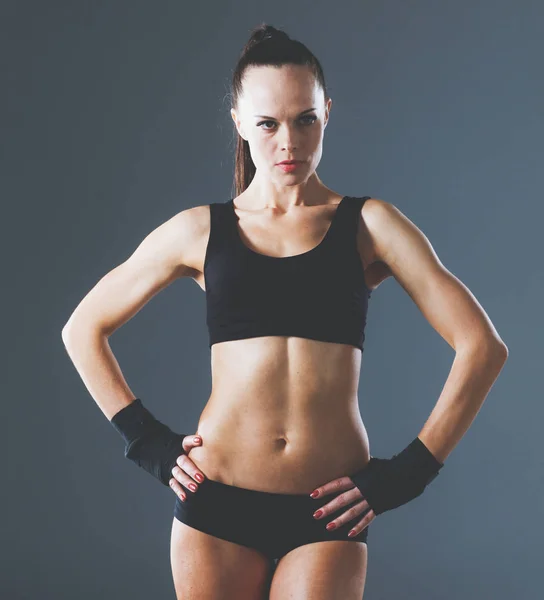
358 201
348 218
219 225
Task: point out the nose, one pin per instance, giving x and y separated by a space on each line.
289 141
289 146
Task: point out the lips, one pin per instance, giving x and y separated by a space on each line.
289 167
290 162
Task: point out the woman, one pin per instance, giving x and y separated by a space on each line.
288 267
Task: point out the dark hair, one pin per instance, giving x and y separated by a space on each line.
266 46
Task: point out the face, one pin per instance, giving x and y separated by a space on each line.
273 117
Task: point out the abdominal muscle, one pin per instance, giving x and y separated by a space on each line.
283 415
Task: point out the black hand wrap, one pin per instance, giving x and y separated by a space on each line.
149 443
388 483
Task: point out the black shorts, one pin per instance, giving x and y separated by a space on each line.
271 523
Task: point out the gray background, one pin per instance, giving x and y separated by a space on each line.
114 118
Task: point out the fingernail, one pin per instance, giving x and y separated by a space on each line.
351 533
192 486
199 477
314 494
196 440
318 513
331 526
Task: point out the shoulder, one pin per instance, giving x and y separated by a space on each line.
375 210
177 241
192 222
400 244
375 213
189 232
383 222
382 226
375 271
187 226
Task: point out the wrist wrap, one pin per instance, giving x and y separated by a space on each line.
149 443
388 483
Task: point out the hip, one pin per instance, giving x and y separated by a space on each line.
274 464
272 523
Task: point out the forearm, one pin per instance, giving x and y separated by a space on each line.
93 359
472 375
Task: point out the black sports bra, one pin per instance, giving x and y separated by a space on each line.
320 294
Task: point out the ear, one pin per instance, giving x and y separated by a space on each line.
327 111
237 123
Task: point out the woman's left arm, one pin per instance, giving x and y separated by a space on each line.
452 310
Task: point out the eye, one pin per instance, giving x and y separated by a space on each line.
264 122
313 119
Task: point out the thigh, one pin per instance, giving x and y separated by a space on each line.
211 568
321 571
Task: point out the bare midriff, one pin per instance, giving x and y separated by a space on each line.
283 415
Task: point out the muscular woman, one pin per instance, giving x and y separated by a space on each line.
283 484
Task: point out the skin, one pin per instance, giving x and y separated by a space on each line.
273 397
280 426
273 416
284 414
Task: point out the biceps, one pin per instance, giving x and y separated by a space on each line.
121 293
157 261
452 309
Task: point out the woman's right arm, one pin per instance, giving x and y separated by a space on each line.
167 253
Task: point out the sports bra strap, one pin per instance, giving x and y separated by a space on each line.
346 220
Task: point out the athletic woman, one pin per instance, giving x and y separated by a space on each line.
276 499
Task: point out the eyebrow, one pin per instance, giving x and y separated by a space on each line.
302 113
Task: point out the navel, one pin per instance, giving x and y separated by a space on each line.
281 443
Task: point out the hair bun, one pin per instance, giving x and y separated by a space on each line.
264 33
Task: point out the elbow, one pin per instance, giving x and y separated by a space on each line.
68 336
67 331
503 351
74 330
64 334
490 347
497 351
498 347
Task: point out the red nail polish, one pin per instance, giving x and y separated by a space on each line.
331 526
314 494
